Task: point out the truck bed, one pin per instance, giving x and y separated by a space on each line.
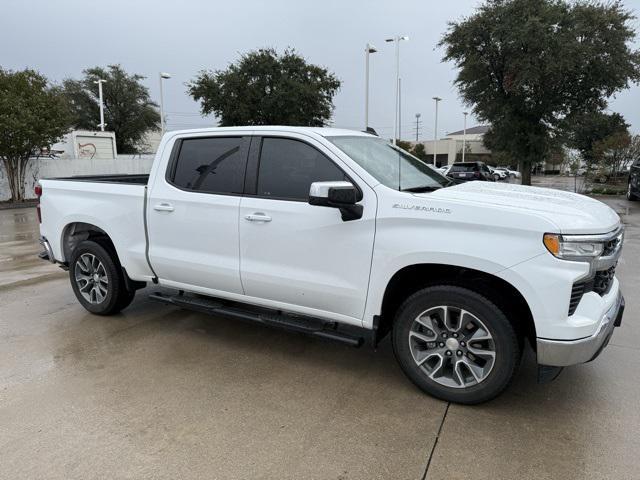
111 203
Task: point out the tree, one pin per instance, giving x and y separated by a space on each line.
33 115
526 65
419 151
128 109
587 129
264 88
614 153
406 146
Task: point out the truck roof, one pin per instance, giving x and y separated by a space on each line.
323 131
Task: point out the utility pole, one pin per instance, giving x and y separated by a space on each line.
464 135
368 50
100 82
417 126
435 132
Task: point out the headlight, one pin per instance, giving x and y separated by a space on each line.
580 250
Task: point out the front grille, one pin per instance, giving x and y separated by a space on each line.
603 280
576 294
600 283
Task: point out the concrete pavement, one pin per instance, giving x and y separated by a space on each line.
157 392
19 248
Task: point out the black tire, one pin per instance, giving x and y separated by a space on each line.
630 195
505 342
116 297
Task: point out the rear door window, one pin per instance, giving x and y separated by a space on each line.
211 165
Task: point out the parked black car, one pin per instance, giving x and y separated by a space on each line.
470 171
633 190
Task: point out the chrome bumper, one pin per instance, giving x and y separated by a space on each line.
562 353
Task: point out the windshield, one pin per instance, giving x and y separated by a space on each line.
390 165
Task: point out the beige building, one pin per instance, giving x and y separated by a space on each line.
450 147
449 150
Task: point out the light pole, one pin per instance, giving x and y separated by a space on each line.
100 82
397 40
435 132
163 76
417 125
464 135
399 108
368 50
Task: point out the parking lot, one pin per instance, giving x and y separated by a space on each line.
158 392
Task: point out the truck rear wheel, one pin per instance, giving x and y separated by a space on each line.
455 344
97 279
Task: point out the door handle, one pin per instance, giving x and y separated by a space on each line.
163 207
258 217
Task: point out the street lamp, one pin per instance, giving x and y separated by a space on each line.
163 76
464 134
435 132
368 50
397 40
100 82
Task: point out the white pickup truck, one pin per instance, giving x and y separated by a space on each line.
341 235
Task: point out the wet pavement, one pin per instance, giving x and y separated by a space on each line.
560 182
19 248
158 392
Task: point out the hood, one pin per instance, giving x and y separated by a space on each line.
571 212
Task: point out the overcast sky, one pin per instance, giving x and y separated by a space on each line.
61 38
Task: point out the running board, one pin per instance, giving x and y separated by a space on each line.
314 327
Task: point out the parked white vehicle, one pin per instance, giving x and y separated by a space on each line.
341 235
511 173
497 173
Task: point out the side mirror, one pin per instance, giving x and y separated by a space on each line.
340 195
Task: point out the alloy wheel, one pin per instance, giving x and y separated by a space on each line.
452 346
91 278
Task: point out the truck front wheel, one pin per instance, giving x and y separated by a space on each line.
97 279
455 344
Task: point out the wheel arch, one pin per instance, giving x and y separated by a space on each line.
412 278
76 232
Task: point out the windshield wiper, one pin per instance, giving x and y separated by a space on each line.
424 188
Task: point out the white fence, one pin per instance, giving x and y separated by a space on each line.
58 167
